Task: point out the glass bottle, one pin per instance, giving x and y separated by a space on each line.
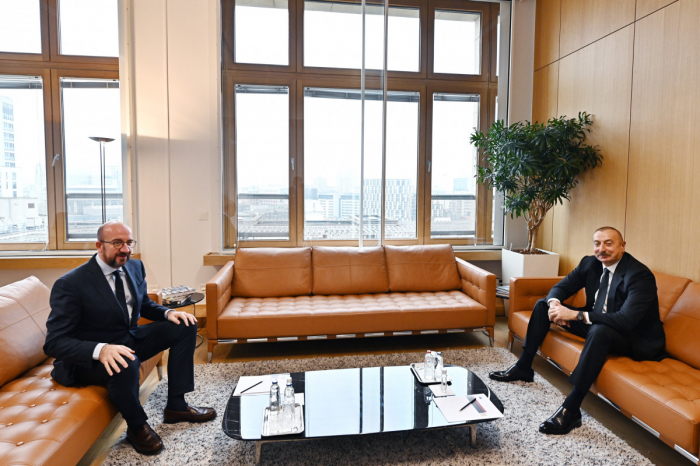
274 396
288 405
443 381
429 366
438 364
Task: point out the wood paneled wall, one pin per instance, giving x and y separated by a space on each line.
663 212
635 66
646 7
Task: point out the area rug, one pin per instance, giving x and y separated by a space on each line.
513 440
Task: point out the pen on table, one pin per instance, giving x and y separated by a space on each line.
465 406
261 382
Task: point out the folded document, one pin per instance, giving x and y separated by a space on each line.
481 409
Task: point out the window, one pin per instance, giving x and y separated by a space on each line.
90 109
455 27
338 27
20 26
453 187
332 164
294 124
88 28
262 126
58 82
262 32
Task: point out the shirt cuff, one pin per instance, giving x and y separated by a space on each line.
165 314
97 350
588 321
553 299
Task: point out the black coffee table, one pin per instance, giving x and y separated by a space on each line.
346 402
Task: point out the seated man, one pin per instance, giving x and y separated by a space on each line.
624 320
93 333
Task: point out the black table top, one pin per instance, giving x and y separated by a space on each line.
193 299
356 402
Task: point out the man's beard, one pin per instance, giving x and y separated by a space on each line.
113 263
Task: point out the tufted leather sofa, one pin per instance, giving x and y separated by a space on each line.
42 422
279 294
663 397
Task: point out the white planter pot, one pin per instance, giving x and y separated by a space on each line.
514 264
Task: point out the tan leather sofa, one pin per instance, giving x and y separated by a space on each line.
42 422
279 294
663 397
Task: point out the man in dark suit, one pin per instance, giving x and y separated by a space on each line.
93 333
621 317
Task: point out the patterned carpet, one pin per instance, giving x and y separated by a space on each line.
513 440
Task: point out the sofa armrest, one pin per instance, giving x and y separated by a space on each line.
526 291
156 297
479 285
218 295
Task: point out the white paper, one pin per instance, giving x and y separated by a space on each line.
299 398
450 407
437 391
246 382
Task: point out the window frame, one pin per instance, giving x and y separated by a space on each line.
51 66
297 77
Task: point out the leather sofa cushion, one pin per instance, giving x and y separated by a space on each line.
422 268
24 308
272 272
340 271
43 422
333 315
664 395
682 327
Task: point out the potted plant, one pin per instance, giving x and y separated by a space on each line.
534 166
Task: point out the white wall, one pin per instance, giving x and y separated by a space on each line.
177 155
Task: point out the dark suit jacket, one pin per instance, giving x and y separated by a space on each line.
85 312
632 304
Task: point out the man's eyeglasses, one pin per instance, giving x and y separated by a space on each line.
118 244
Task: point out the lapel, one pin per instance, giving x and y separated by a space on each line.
130 279
103 289
618 276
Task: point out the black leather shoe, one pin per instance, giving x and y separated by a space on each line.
512 374
191 415
145 440
561 422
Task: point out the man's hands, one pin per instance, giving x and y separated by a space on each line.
561 315
177 316
111 356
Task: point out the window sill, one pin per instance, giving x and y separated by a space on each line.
219 258
47 260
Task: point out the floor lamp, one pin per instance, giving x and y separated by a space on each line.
103 188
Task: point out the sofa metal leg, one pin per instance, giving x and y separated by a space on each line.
210 354
510 346
472 435
160 372
491 342
510 341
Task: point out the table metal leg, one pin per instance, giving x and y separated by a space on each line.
258 452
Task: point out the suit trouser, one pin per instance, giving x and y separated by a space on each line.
147 341
601 341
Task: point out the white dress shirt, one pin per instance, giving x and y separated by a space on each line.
108 270
611 272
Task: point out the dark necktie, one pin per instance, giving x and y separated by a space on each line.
602 292
119 291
